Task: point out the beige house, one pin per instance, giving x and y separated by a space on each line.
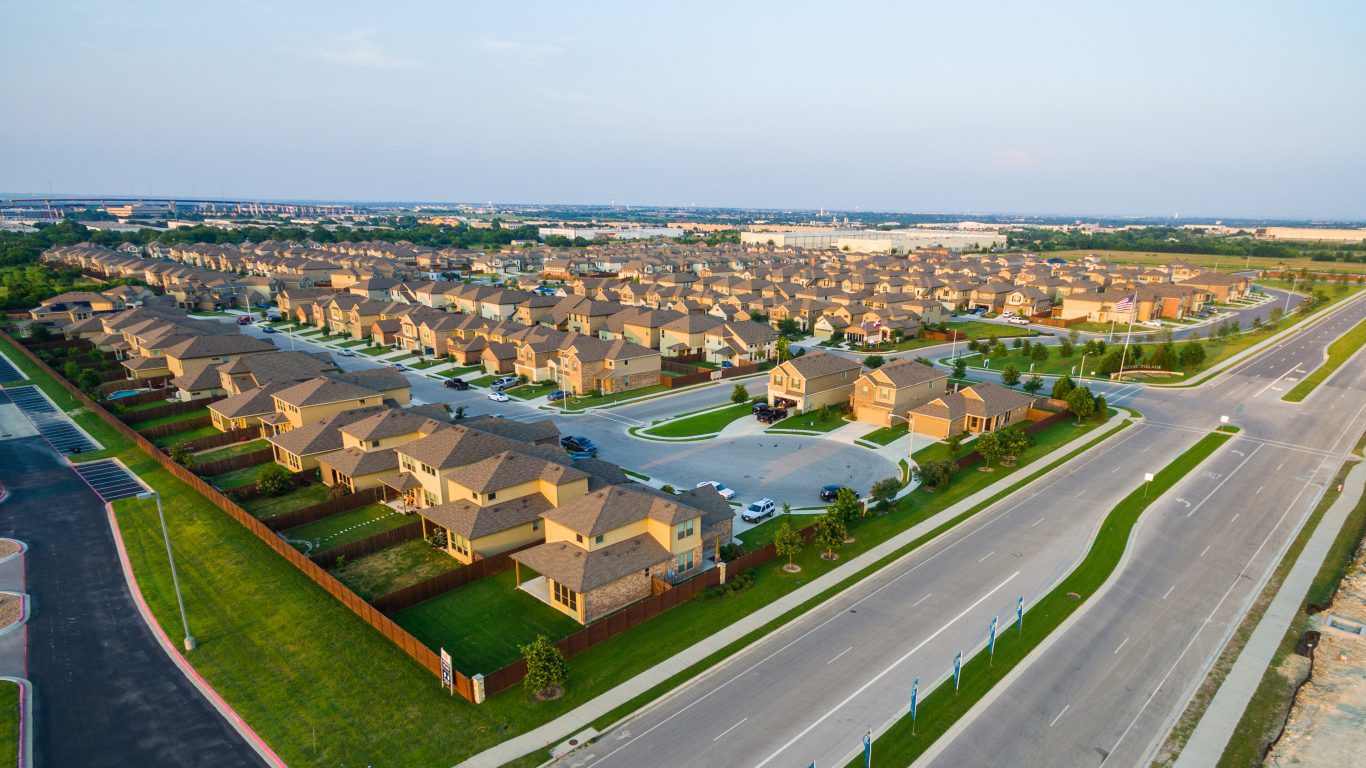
813 380
894 389
325 396
980 408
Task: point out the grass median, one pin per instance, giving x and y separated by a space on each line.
1339 352
708 423
942 707
9 723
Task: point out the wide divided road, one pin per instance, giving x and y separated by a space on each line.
1109 687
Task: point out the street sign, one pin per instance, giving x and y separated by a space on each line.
447 673
1147 477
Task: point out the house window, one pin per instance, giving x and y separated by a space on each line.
578 537
493 495
374 443
565 596
685 561
597 539
430 497
535 525
777 379
684 530
428 470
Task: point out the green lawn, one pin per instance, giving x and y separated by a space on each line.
141 406
375 351
532 391
887 435
702 423
9 723
428 363
352 343
941 707
482 381
819 420
263 507
228 451
456 373
236 478
579 403
762 534
207 430
198 412
1338 353
399 566
482 624
345 528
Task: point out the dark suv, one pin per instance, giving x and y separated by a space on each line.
457 384
769 414
830 492
578 445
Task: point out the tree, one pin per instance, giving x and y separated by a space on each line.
758 317
884 491
789 327
1102 408
875 361
954 443
787 543
1033 384
180 454
1192 354
1073 335
846 505
960 368
990 447
998 348
739 394
1014 442
545 667
934 474
1166 357
1018 343
1111 363
459 412
1276 314
1039 353
1010 375
1065 349
72 370
273 480
1257 323
88 380
1062 386
783 350
1080 402
830 533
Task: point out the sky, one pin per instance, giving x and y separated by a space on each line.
1235 109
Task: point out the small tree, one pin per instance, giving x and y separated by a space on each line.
990 447
545 667
1039 353
1192 354
739 394
88 380
273 480
998 348
72 370
1014 442
1065 350
830 533
1102 408
1073 335
783 350
180 454
1063 386
789 327
846 505
1033 384
875 361
1276 314
934 474
954 443
1010 375
960 368
1080 402
884 491
459 412
788 543
1018 343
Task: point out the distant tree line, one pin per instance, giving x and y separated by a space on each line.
1172 240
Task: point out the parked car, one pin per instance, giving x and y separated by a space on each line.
1018 321
346 353
759 407
244 319
726 493
400 367
578 444
758 510
770 415
503 382
1007 314
457 384
499 397
829 492
268 329
557 395
1151 323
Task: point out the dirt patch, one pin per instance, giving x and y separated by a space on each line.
8 547
11 610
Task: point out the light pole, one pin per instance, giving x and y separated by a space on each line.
175 579
1082 375
910 429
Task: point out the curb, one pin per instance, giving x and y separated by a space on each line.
23 612
215 700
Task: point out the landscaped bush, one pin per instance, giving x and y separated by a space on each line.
437 538
337 491
731 551
735 586
273 480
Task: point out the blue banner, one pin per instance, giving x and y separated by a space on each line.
868 749
992 644
1019 615
915 691
957 669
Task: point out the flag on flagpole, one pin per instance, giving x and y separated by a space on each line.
957 669
915 691
868 749
1126 304
992 642
1019 615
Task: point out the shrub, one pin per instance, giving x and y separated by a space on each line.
669 489
338 491
735 586
545 666
180 454
731 551
273 480
437 538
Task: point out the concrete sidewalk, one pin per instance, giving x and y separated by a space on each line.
582 716
1221 717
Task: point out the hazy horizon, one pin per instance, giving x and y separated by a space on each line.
1228 110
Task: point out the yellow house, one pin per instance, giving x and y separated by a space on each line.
894 389
368 447
324 396
813 381
192 362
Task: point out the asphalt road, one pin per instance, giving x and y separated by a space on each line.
808 691
105 692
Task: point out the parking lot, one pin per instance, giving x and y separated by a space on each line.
52 423
110 479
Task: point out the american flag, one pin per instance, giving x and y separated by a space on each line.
1125 304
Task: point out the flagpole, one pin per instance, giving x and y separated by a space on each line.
1133 312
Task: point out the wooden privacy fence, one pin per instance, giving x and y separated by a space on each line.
423 655
150 396
173 428
369 545
222 439
250 491
232 463
422 591
325 509
170 409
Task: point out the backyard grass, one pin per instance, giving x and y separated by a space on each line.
887 435
263 507
236 478
481 624
9 723
819 420
207 430
702 423
941 707
399 566
228 451
1338 353
141 406
140 425
344 528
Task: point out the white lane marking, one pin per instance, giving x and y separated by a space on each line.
1060 714
1079 493
921 600
1278 466
728 730
1121 645
989 554
1235 516
841 653
1259 488
1227 477
1278 378
1116 469
1169 591
1204 552
1036 522
875 678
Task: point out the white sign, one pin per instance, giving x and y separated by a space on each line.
1223 419
1147 477
447 675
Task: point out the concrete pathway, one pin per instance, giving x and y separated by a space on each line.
582 716
1216 726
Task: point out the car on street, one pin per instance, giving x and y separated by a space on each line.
346 353
758 510
830 492
1006 315
244 319
1018 321
1151 323
556 395
726 493
268 329
499 397
503 382
578 444
399 367
456 384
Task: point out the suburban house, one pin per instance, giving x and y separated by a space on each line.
318 398
813 380
686 335
193 362
368 451
1222 288
894 389
585 364
740 341
980 408
610 547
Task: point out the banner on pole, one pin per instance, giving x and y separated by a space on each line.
957 669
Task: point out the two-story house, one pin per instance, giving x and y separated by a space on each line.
885 395
812 381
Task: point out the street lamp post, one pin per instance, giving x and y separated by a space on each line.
175 579
1082 375
910 429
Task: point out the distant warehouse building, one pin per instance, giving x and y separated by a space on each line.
872 241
